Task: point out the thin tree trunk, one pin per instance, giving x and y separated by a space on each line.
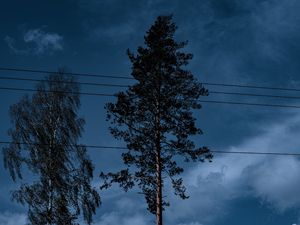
158 161
158 186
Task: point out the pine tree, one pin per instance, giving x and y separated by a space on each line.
45 132
155 118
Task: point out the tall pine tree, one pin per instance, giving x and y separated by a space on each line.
155 117
44 136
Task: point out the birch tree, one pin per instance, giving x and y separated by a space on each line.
44 141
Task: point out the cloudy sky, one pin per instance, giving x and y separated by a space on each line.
254 42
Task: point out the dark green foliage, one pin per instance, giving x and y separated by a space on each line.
155 116
45 132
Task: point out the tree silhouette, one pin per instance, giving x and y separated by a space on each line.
45 133
155 118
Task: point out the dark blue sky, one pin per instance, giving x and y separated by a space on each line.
233 41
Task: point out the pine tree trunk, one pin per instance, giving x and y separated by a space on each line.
159 187
158 164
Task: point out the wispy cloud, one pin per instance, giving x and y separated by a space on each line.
118 218
8 218
37 42
43 41
11 43
126 212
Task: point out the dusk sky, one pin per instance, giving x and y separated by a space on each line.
247 42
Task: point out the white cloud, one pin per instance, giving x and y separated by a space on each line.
43 41
8 218
118 218
127 211
37 42
273 179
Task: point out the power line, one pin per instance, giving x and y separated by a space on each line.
63 92
250 104
69 73
66 82
122 86
251 86
253 95
257 153
202 101
124 148
131 78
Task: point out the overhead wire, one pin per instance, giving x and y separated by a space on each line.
63 92
251 86
203 101
250 104
254 95
124 86
131 78
66 82
65 72
124 148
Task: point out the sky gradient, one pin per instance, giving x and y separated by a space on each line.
254 42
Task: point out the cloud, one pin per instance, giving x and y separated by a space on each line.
272 179
43 41
9 218
127 211
11 43
118 218
38 42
